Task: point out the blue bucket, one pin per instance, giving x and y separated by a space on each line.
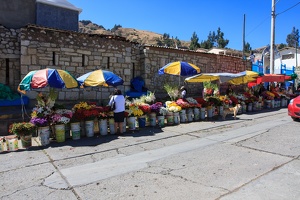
142 122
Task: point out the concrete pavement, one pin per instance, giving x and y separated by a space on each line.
199 160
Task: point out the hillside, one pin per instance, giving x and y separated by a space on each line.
140 36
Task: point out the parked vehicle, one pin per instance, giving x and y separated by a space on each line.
294 108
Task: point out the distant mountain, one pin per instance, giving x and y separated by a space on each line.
140 36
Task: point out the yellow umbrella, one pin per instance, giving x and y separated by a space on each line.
247 77
205 77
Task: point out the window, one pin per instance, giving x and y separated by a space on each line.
288 56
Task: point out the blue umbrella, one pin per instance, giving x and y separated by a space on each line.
179 68
100 78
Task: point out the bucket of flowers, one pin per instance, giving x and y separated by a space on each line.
24 130
59 119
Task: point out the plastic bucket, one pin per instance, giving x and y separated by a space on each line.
210 112
44 135
111 124
202 113
89 128
268 104
26 141
75 130
152 119
196 114
142 121
161 121
60 132
189 115
170 118
176 118
124 126
12 143
131 123
220 110
182 115
103 126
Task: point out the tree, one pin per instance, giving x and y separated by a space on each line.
221 42
247 48
281 46
194 42
292 39
115 28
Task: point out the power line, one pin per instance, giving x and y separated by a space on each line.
257 26
288 8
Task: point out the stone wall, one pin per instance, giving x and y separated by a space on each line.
78 53
156 57
9 56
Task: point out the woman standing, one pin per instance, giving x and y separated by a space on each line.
119 112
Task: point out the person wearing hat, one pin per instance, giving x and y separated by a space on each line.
183 92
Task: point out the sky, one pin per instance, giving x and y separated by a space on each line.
181 18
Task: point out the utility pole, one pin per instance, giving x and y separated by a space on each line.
244 36
272 38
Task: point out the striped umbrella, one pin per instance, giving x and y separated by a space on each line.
55 78
100 78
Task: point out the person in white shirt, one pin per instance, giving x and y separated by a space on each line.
183 92
119 112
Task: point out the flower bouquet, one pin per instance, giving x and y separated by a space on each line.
61 116
156 107
40 116
172 106
183 104
22 128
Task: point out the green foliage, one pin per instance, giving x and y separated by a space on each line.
115 28
172 91
247 47
194 42
221 42
281 46
215 40
292 39
86 22
165 40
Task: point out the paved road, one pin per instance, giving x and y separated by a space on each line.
253 157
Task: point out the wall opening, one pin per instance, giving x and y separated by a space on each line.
83 60
53 58
108 59
7 71
133 70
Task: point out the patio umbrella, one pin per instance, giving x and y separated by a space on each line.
247 76
205 77
179 68
100 78
55 78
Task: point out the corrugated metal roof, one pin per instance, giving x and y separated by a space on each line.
60 3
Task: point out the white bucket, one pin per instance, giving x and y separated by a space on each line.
44 135
103 126
131 123
89 128
152 119
202 113
176 118
170 118
12 143
182 115
189 115
196 114
75 130
210 112
111 123
1 145
161 121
